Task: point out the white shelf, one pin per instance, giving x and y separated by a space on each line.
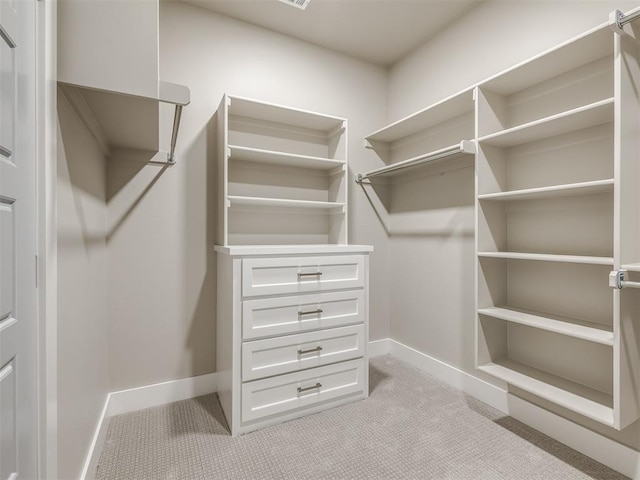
282 202
557 324
573 396
446 109
272 113
544 257
248 250
282 158
582 188
586 48
569 121
465 147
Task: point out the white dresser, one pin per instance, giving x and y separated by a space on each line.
292 330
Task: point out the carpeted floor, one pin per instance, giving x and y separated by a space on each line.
411 427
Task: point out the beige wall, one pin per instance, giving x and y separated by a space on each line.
82 284
161 231
432 299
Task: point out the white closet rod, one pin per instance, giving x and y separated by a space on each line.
622 19
465 146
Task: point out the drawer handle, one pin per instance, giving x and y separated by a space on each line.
311 274
311 350
310 312
312 387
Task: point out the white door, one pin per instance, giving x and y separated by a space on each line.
18 340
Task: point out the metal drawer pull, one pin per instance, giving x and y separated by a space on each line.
311 350
312 387
310 312
311 274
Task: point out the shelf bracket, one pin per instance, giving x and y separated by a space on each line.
171 156
617 280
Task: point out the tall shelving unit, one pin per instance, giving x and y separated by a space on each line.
282 175
552 222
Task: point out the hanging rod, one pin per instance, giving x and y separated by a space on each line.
464 147
617 280
622 19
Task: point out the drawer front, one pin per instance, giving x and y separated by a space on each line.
284 393
275 356
265 317
273 276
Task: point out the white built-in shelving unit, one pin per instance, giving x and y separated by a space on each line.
552 222
281 175
557 142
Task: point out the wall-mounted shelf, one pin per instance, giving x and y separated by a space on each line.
114 85
271 157
119 120
465 147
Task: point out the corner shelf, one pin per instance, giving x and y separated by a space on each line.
571 395
563 325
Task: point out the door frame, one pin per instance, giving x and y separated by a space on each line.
46 173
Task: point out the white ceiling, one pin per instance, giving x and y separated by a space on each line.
378 31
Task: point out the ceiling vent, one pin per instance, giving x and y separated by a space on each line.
301 4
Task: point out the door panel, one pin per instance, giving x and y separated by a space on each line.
18 332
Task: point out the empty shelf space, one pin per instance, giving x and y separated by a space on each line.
573 396
465 147
282 202
544 257
282 158
569 121
552 323
425 119
582 188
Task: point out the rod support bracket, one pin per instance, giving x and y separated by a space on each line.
616 277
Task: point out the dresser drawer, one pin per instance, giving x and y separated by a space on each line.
282 275
274 356
283 393
264 317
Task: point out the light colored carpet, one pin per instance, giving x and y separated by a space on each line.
411 427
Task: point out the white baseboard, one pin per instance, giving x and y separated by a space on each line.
125 401
379 347
602 449
90 463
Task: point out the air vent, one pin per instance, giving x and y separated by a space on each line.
301 4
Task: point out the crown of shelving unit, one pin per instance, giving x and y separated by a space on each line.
281 175
557 208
